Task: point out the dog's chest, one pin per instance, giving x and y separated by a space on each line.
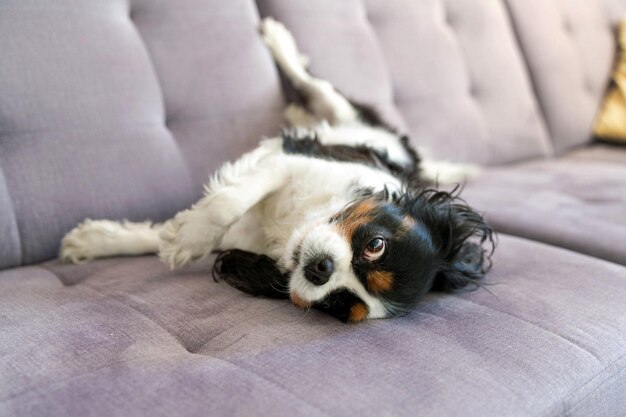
316 191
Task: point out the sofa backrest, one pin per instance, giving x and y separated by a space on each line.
111 109
616 10
569 47
120 108
451 69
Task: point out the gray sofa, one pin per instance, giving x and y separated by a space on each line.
120 109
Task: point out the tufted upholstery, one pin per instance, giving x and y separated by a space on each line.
120 108
571 71
451 68
551 202
127 337
343 47
108 110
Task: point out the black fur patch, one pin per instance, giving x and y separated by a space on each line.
251 273
370 116
312 147
434 242
258 275
339 303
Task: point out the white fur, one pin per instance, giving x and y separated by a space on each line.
270 202
102 238
444 172
194 233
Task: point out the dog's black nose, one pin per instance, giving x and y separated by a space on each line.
318 272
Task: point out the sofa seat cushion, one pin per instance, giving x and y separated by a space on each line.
600 153
577 202
126 337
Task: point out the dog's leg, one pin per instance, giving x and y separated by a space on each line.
103 238
323 100
446 173
297 116
193 234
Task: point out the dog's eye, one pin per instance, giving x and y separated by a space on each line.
374 249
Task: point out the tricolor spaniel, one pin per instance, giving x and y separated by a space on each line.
333 213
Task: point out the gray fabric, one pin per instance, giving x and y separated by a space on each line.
9 236
600 153
616 10
451 68
127 337
120 108
108 110
576 202
219 83
569 47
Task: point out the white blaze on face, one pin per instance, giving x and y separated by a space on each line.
327 241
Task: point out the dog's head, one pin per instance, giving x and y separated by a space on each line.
378 256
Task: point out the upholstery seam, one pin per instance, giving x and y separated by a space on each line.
563 402
157 78
455 36
56 275
127 299
530 75
235 325
208 115
589 381
70 378
67 127
18 229
391 98
546 239
118 298
271 382
36 267
538 327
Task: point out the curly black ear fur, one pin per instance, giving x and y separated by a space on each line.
251 273
463 240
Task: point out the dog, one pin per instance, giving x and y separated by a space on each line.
336 213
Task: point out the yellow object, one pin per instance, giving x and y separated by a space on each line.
610 123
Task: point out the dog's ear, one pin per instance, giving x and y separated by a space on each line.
463 240
251 273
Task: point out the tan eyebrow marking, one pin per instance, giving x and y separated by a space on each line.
379 281
355 216
358 312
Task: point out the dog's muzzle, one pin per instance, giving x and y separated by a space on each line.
318 271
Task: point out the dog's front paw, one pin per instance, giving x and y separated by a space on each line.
183 240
